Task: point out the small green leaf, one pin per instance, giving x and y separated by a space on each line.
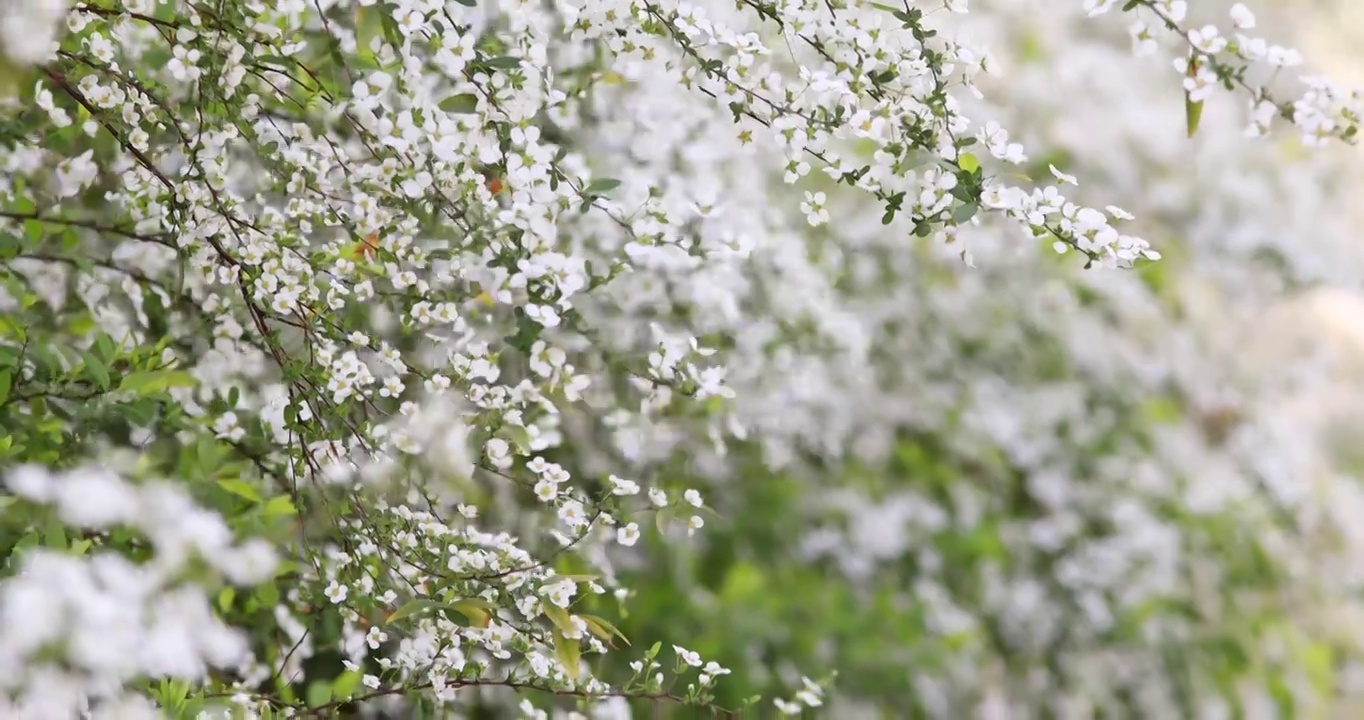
242 489
55 535
346 684
95 367
319 693
968 162
105 345
6 378
597 187
504 62
568 653
411 608
27 541
603 629
463 103
267 594
477 611
174 692
1193 114
519 436
963 213
225 598
559 617
280 506
154 381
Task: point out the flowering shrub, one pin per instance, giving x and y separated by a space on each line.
348 349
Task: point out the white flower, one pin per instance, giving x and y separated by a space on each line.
560 593
623 487
336 592
571 512
1064 178
499 453
814 210
687 656
543 314
628 535
546 490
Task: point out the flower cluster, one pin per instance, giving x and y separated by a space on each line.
1228 55
83 621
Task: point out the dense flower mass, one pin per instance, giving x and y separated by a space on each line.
353 354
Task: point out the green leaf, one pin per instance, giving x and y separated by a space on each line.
1193 114
559 617
95 367
6 378
319 693
597 187
54 535
173 692
504 62
477 611
963 213
267 594
10 247
568 653
149 382
603 629
519 437
27 541
392 34
411 608
346 684
463 103
280 506
243 489
225 598
105 345
968 162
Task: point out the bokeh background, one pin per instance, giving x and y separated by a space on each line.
1051 493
